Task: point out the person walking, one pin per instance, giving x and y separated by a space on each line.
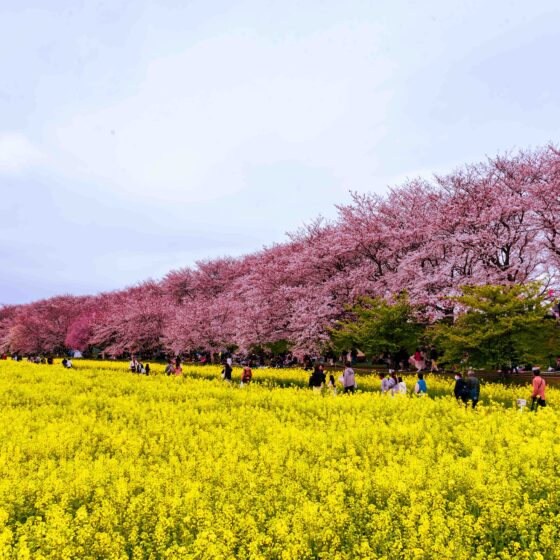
539 384
473 386
461 391
349 379
421 388
434 356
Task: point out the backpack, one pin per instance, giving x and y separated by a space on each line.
462 389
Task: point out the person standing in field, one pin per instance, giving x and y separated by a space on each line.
387 383
178 370
395 381
349 379
473 386
400 388
226 372
332 384
318 378
539 384
421 388
461 390
169 368
246 376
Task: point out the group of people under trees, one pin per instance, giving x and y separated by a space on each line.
138 367
39 359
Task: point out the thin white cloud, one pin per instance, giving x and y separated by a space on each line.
17 153
199 119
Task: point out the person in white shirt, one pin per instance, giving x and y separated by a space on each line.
349 379
387 383
400 389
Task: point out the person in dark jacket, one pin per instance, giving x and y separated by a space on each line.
226 372
318 378
473 385
461 390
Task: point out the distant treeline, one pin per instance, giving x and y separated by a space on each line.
496 222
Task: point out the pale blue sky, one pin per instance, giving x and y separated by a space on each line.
137 137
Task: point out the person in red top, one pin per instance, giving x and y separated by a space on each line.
246 375
539 385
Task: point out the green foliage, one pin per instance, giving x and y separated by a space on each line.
500 325
378 326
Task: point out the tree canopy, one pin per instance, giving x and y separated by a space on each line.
499 325
495 222
376 326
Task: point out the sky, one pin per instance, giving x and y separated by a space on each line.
137 137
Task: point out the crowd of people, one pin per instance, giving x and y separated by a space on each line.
136 366
466 389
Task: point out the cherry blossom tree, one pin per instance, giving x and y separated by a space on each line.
495 222
131 321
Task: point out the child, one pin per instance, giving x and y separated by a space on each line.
421 388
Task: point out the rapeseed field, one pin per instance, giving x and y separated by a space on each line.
96 462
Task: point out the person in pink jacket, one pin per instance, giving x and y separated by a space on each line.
539 385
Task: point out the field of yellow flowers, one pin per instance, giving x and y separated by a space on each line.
96 462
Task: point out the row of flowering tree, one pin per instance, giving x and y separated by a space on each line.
492 223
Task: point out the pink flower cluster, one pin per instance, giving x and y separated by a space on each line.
495 222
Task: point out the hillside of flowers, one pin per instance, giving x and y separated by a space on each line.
97 463
490 223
